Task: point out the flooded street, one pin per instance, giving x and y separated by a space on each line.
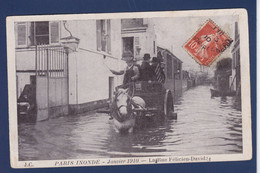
205 125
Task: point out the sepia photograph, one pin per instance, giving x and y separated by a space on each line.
129 88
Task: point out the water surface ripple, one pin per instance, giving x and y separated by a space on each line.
205 125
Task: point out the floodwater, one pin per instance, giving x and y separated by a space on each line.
205 125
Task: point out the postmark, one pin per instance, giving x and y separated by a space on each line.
208 43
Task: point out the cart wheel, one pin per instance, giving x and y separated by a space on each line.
168 103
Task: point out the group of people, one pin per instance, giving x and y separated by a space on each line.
147 71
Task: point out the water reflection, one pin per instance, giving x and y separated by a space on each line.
205 125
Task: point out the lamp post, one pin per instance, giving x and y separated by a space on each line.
71 43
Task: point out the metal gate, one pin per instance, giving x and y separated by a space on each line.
51 81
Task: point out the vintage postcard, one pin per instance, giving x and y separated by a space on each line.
129 88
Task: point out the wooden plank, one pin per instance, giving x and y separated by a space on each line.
105 111
145 110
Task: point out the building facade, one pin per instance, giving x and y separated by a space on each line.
138 36
68 81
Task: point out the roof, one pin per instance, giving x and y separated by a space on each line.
169 52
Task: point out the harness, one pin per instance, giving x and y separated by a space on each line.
114 110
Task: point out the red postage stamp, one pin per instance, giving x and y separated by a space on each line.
208 43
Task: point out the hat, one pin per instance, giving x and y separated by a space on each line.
127 56
155 60
147 56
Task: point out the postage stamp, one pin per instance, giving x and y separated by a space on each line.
208 43
121 89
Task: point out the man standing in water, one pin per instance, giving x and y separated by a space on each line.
131 72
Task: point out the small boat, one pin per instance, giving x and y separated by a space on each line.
218 93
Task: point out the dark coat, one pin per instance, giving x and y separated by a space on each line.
147 72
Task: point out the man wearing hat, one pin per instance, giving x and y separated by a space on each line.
131 72
147 72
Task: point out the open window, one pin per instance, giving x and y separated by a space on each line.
128 44
37 33
104 35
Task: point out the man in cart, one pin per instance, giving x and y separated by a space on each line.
131 72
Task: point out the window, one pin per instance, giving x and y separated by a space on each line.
103 36
128 44
37 33
44 33
41 33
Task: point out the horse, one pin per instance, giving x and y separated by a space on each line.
122 110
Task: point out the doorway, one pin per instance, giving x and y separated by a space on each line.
111 87
128 44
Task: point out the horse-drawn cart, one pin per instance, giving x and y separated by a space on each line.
158 100
138 101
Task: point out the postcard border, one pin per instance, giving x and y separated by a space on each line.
245 77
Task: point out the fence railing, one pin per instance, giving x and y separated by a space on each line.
51 61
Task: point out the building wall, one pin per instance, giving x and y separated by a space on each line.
88 76
25 65
147 37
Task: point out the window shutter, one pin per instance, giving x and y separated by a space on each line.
137 41
103 36
98 22
21 34
54 32
31 33
109 36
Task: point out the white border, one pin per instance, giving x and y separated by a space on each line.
245 90
258 84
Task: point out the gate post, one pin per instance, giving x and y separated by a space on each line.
67 72
48 85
